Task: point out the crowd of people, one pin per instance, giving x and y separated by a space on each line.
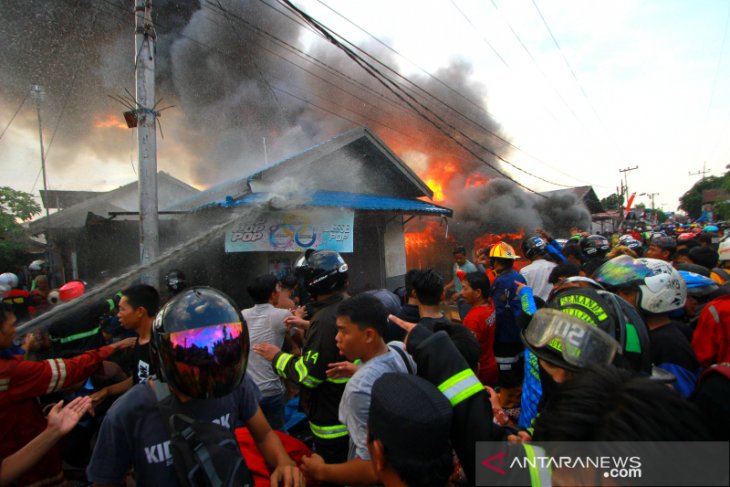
593 339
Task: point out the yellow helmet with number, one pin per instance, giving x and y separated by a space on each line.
501 250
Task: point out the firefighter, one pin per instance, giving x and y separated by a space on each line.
324 274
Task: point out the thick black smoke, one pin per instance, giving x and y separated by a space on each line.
237 91
501 206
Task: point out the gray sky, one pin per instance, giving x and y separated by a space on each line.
634 83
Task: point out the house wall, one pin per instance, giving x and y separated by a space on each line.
395 253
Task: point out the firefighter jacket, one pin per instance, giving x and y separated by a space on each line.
319 396
440 362
21 418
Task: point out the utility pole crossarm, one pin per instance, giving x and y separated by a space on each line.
702 172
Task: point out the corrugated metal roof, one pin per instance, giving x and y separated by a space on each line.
334 199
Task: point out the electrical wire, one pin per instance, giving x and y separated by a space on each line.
482 127
219 7
534 61
14 114
415 104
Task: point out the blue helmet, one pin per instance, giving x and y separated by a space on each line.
697 284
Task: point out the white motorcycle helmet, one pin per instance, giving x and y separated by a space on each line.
663 292
724 249
9 279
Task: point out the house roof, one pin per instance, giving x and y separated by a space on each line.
582 193
357 161
121 199
54 198
714 195
338 199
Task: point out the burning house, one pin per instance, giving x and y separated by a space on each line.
351 193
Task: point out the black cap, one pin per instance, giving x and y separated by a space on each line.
410 416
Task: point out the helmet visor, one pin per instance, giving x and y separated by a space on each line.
623 270
205 362
577 341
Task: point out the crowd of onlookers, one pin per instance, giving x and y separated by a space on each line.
597 338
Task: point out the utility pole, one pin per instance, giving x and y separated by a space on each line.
144 47
624 191
626 181
703 172
37 93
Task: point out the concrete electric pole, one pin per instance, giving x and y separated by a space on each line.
144 47
37 92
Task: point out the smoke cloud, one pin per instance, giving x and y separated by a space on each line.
241 99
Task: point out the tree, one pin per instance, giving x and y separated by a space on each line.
15 207
612 202
722 208
691 201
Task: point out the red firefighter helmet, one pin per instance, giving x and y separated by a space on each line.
71 290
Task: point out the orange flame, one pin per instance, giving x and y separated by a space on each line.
514 239
475 180
109 121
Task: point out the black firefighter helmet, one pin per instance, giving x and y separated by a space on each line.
322 271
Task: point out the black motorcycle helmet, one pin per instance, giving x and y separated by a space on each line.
200 343
321 271
533 246
175 281
594 246
611 314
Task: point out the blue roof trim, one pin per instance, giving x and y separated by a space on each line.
336 199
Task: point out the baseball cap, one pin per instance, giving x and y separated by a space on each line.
410 416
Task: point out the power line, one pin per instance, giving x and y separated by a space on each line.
534 61
484 39
506 141
392 86
562 54
717 72
15 114
263 32
391 49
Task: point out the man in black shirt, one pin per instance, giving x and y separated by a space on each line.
137 309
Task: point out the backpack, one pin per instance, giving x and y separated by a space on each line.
203 453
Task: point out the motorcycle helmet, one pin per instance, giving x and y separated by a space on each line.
663 242
594 246
175 281
724 249
660 287
37 265
9 279
683 237
322 271
698 285
600 329
666 291
630 242
200 343
533 247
